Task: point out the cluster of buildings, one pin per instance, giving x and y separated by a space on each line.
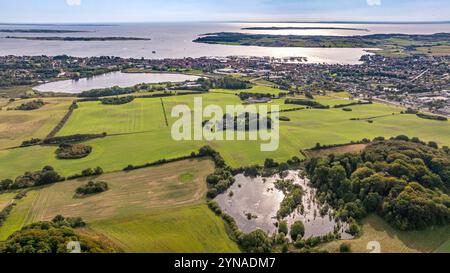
419 82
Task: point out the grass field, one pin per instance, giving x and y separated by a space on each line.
5 199
354 148
141 206
254 89
93 117
17 126
306 128
444 248
394 241
181 230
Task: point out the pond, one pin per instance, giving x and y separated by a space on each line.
110 80
259 197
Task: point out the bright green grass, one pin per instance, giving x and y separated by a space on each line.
445 248
138 116
5 199
184 230
306 128
186 177
254 89
18 216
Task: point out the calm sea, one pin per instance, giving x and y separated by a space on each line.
174 40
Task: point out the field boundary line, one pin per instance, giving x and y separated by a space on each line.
63 121
164 111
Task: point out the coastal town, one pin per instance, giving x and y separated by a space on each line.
419 82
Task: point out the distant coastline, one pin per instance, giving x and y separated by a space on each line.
41 31
76 39
304 28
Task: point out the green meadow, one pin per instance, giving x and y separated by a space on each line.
138 133
159 209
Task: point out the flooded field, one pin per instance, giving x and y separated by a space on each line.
254 203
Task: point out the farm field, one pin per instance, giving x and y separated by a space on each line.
444 248
305 128
394 241
174 193
5 199
193 228
142 115
17 126
254 89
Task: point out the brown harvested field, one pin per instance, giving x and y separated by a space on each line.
443 50
17 126
133 192
352 148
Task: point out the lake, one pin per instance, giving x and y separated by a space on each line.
259 197
110 80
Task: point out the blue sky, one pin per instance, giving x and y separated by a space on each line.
87 11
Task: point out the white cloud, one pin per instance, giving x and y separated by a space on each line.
374 2
73 2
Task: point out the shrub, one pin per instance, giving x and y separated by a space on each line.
92 188
32 105
73 151
297 230
283 227
345 248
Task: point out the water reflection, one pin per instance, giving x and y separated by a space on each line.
110 80
254 203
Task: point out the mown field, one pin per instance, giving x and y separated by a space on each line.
138 133
160 209
17 126
375 229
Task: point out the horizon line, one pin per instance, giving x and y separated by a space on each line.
109 23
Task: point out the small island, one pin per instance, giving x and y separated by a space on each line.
304 28
78 39
41 31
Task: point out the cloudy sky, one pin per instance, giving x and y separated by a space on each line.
87 11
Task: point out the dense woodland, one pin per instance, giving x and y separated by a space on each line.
404 180
52 237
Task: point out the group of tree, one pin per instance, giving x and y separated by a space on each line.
52 237
88 173
309 103
246 122
352 104
92 187
117 100
72 138
224 83
30 179
31 105
247 95
403 180
293 195
73 151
